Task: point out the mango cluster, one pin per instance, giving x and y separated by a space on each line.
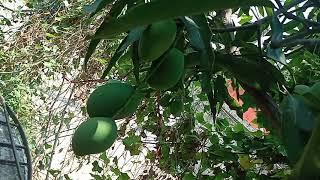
105 104
117 100
157 46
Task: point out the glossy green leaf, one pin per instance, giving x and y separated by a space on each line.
262 74
150 12
206 55
206 61
92 47
277 35
133 36
193 31
276 54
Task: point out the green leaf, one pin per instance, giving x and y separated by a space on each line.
92 47
261 11
262 74
277 35
123 176
132 143
200 118
117 8
245 161
290 26
206 57
98 177
148 13
105 158
117 55
296 116
309 163
96 167
222 124
116 170
214 139
131 140
301 89
133 36
276 54
67 177
96 6
238 128
176 107
193 31
54 172
245 19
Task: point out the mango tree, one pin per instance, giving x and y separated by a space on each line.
182 52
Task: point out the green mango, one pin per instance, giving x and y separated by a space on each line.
156 40
94 136
168 73
108 99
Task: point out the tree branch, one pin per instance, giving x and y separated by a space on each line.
304 42
298 38
239 28
305 22
257 23
6 8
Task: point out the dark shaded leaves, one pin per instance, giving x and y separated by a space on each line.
150 12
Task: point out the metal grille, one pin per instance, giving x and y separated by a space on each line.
15 159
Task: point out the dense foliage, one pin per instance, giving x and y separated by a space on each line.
267 51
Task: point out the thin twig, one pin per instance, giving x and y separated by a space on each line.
297 39
256 23
6 8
